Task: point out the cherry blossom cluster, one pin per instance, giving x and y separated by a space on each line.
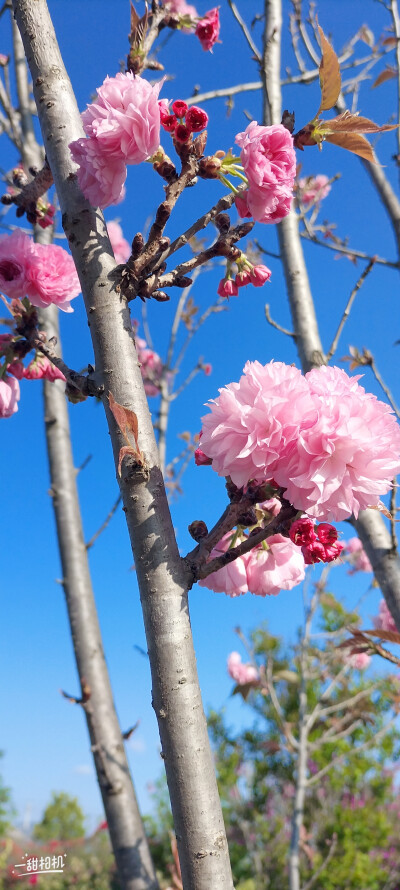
151 365
182 121
43 272
384 620
275 565
12 370
359 660
122 127
241 673
206 28
332 447
313 189
318 543
356 556
246 274
269 162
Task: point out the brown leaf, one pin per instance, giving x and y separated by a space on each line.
355 143
127 422
329 75
352 123
388 74
382 509
390 41
389 636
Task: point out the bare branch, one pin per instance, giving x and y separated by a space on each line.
346 313
104 524
245 30
275 324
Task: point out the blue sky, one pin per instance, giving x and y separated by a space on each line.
44 738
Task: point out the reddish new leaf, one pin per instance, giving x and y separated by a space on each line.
352 123
329 75
388 636
127 422
382 509
354 142
388 74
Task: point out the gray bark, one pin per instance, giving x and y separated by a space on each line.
162 581
369 525
125 826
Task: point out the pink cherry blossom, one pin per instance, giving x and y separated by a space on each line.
125 118
241 673
357 556
232 578
253 424
272 506
279 566
9 396
119 244
360 660
16 368
151 367
302 531
51 277
16 252
207 29
227 288
41 368
314 188
269 162
180 7
259 275
100 178
347 459
384 619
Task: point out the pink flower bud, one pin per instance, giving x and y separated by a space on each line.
207 368
182 133
243 277
196 119
201 459
179 108
41 368
227 288
259 275
327 533
17 369
242 206
302 531
333 551
169 123
207 29
313 552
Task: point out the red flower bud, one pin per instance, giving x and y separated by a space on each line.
179 108
201 459
196 119
182 133
227 288
169 123
327 533
313 552
302 531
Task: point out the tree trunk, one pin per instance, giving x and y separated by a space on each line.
162 580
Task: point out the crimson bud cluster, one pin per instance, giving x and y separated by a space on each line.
183 121
318 543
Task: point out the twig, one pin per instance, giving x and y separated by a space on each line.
225 91
223 246
348 251
245 30
223 204
392 511
355 750
275 324
104 524
347 310
383 386
396 26
323 865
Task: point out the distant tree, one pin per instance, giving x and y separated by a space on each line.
62 820
5 809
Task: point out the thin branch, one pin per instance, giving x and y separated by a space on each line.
223 204
356 750
245 30
348 702
225 91
104 524
275 324
349 251
347 310
323 865
383 386
396 26
392 511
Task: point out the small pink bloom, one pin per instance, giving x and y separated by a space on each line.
207 29
196 119
100 178
357 557
280 567
302 531
181 8
314 188
359 660
17 369
242 206
119 244
227 288
16 252
33 879
385 620
327 533
52 278
259 275
9 396
40 367
232 578
269 162
179 108
151 367
125 118
207 368
243 278
272 506
241 673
